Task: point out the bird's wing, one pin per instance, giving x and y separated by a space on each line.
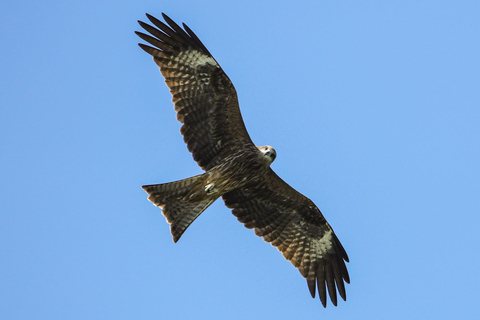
204 97
292 223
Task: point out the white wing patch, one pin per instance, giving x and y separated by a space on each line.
193 59
324 245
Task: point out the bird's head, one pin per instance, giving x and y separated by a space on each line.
268 152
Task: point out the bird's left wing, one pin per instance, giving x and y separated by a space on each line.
292 223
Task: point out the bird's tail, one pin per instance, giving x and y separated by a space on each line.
181 201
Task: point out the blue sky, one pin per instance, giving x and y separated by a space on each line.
373 108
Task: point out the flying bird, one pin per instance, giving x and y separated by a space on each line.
235 168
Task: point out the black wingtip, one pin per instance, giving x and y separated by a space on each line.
322 291
323 299
311 287
145 48
168 19
149 16
154 20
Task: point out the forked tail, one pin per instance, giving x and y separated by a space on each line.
181 202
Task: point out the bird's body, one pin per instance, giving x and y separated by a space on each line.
235 169
240 169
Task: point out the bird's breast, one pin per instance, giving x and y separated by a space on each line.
237 172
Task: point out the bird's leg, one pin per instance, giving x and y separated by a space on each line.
210 188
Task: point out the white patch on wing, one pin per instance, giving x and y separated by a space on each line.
324 245
194 58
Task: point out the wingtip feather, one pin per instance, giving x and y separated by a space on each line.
311 286
329 277
322 291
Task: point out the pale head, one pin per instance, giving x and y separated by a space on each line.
268 152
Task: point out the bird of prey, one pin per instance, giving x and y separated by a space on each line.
235 168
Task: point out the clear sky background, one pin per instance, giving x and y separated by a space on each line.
373 108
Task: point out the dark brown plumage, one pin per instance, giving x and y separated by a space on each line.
235 169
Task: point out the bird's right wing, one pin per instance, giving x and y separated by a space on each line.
293 223
204 97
